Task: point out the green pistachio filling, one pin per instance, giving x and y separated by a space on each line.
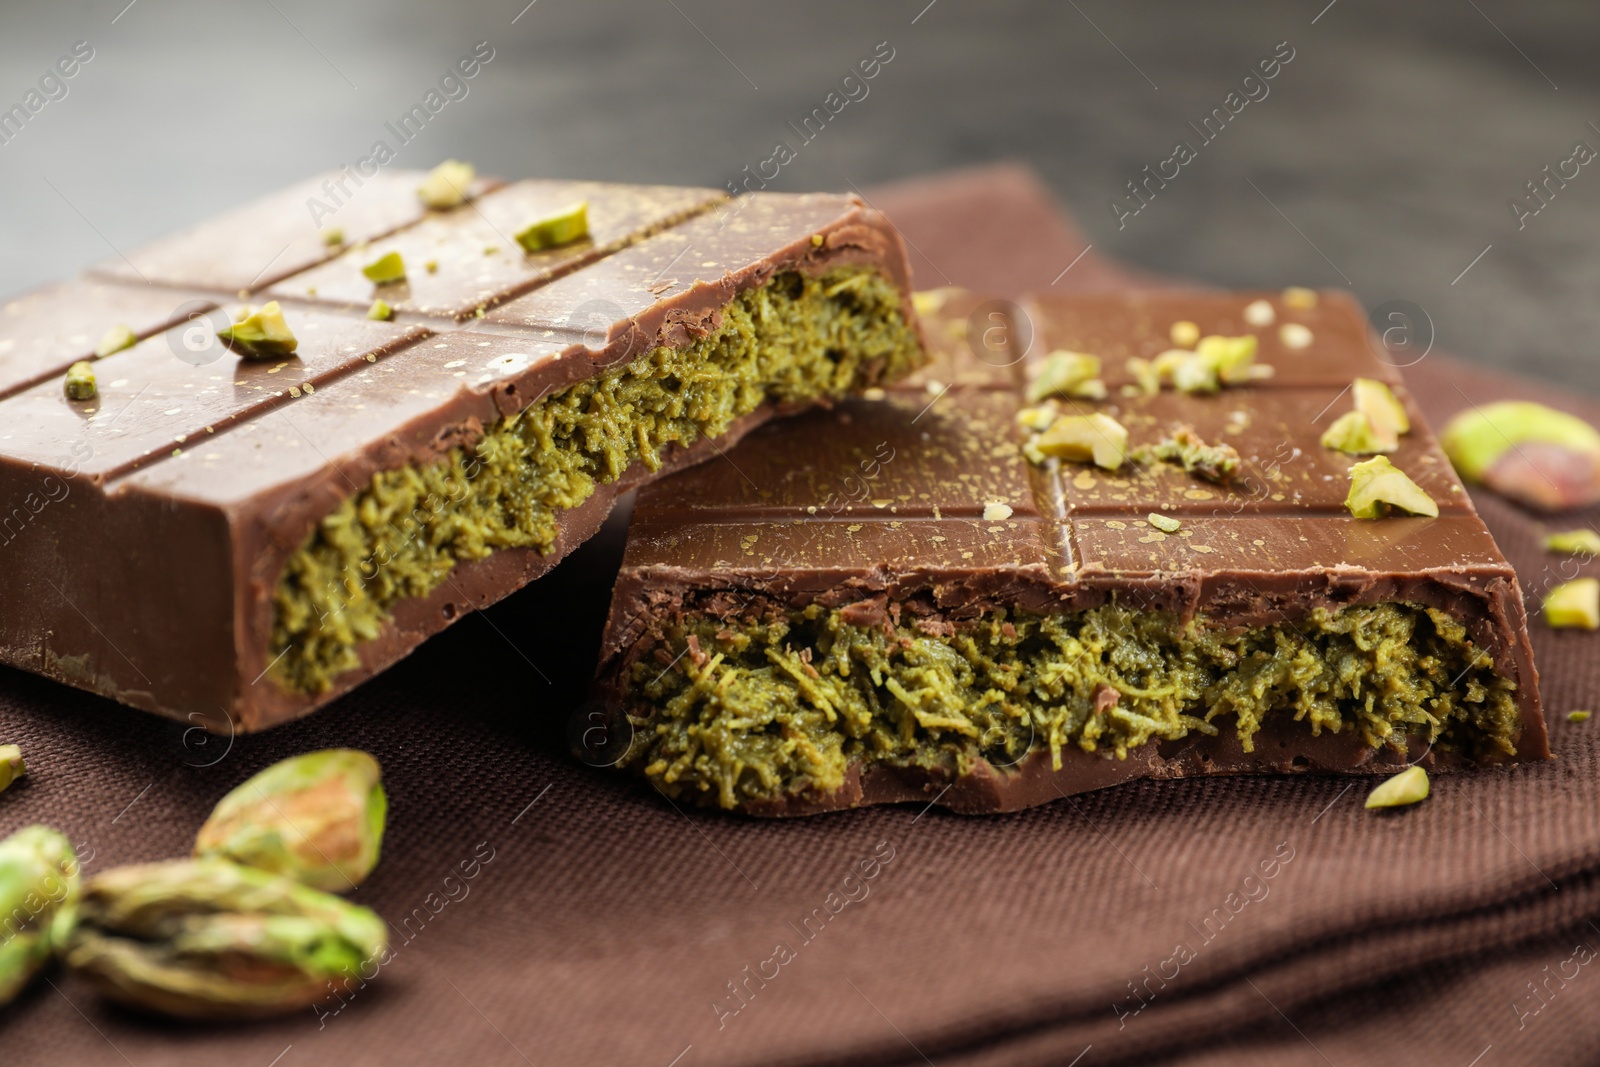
796 338
783 702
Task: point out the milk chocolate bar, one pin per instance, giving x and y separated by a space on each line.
236 541
934 594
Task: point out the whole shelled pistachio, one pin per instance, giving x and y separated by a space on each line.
38 882
317 818
211 939
11 765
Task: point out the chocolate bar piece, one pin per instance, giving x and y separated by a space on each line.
235 541
916 597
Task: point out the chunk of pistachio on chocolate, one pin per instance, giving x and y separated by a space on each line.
1381 407
1584 541
446 185
380 311
1096 438
1352 434
569 224
386 269
1574 605
1231 356
333 236
261 333
1377 486
1064 373
115 340
1533 454
79 384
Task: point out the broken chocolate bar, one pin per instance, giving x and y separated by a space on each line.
941 593
265 505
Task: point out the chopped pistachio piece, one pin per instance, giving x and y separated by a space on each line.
1164 523
1407 787
80 381
1294 335
816 240
1579 716
260 334
380 311
1214 463
1574 605
386 269
1260 313
1038 418
1231 356
1585 541
446 185
1382 409
11 765
1195 375
1061 373
1083 438
996 511
1352 434
1184 333
1299 298
333 237
1378 485
115 340
569 224
432 266
1144 372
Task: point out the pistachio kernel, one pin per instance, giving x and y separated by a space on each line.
1300 298
569 224
260 334
1260 313
1578 716
1407 787
996 511
446 185
1378 485
333 237
1184 333
1352 434
380 311
1584 541
1084 438
79 384
1528 452
386 269
1164 523
1382 409
115 340
1062 373
1294 335
1574 605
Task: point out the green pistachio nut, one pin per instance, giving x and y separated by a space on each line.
1144 374
317 818
260 333
387 269
1231 356
38 883
1382 408
1574 605
1533 454
333 237
212 939
1584 541
115 340
1195 375
1378 485
1407 787
1096 438
569 224
1061 373
446 185
1164 523
11 765
1352 434
80 383
380 311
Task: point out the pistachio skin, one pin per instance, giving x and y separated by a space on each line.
317 818
212 939
1530 453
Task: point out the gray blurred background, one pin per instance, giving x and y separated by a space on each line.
1383 159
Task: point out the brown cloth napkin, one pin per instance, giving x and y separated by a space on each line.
1242 921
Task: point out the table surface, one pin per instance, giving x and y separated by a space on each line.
1382 157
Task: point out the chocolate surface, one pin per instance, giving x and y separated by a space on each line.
815 514
145 530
